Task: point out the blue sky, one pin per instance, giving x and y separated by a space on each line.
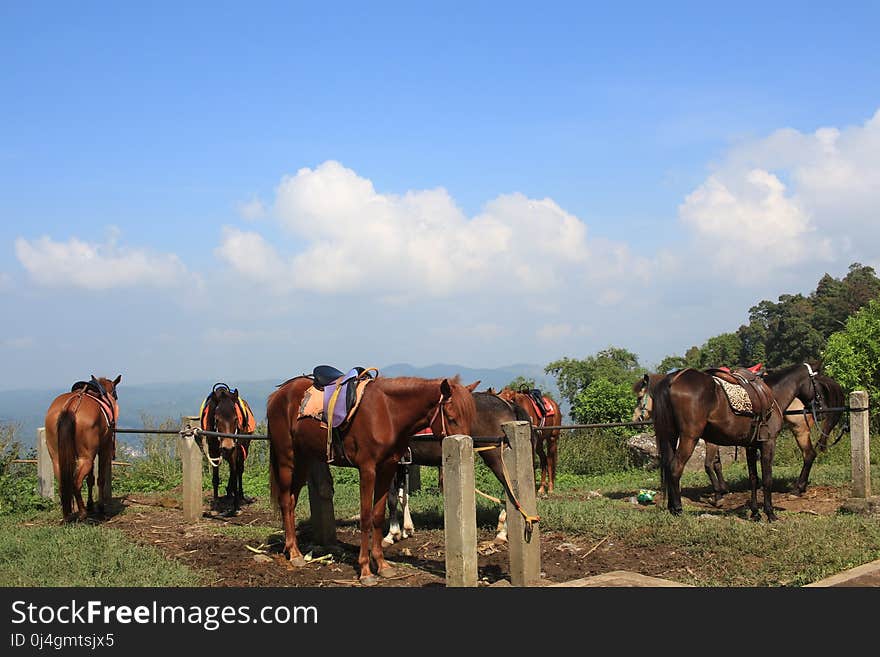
153 144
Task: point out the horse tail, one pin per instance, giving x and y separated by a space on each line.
834 398
65 429
665 429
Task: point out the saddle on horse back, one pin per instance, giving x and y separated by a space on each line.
334 397
747 395
96 391
540 402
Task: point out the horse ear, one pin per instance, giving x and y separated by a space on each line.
117 380
235 393
474 385
445 388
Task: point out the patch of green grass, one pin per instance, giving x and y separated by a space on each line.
49 554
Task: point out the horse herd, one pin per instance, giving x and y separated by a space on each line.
684 406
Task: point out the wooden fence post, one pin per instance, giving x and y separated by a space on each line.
191 459
323 516
459 511
524 550
860 445
45 471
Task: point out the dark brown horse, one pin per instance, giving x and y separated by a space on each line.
492 412
829 392
224 411
546 442
390 412
689 404
79 426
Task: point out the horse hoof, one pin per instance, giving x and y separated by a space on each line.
499 540
298 562
388 572
369 580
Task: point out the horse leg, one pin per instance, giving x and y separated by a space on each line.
395 496
542 459
90 483
105 483
752 460
686 445
552 455
501 529
368 492
768 448
802 436
234 476
289 497
384 475
215 481
712 465
84 468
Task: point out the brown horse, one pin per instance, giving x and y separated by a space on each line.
79 426
689 404
547 456
829 392
390 412
224 411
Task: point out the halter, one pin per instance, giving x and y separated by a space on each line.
643 405
442 411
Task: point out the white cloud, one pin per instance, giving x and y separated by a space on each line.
418 244
251 210
76 263
790 198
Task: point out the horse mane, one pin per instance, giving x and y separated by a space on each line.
773 377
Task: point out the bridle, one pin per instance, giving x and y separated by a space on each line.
816 407
441 410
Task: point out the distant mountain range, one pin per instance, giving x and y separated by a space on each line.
156 402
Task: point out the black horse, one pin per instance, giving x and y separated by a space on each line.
689 404
492 412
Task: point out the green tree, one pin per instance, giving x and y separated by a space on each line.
613 364
521 382
852 356
723 349
671 363
603 401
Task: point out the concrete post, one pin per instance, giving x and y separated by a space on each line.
45 471
191 459
860 445
524 550
459 511
323 516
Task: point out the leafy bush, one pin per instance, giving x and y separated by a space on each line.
604 401
19 487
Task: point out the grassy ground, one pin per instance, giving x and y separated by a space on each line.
36 551
723 551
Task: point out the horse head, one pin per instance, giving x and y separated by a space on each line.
108 386
456 411
644 403
224 416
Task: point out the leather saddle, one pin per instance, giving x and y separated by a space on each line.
758 391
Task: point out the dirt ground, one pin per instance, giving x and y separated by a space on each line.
157 521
